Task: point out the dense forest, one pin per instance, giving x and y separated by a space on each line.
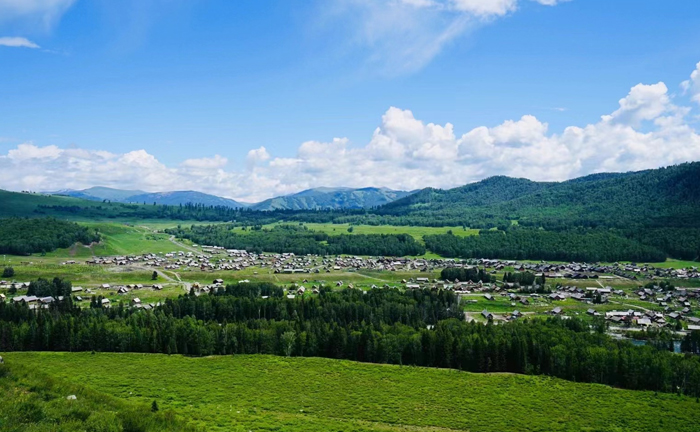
300 240
419 327
26 236
528 244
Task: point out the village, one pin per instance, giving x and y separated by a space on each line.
626 295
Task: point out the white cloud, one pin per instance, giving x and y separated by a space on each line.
484 8
258 155
647 130
215 162
17 42
405 35
43 12
692 86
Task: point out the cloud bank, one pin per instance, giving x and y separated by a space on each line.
647 130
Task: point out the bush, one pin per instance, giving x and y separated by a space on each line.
8 272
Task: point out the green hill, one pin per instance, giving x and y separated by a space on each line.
267 393
665 197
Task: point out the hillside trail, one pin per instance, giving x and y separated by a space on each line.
186 285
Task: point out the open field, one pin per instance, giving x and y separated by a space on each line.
266 393
416 231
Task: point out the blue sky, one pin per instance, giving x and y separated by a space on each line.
250 99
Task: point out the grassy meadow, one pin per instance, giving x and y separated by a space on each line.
267 393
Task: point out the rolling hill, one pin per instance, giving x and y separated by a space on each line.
259 392
332 198
665 197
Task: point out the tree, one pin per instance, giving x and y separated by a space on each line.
351 229
288 339
154 406
154 276
8 272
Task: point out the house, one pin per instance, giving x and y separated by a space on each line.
105 286
646 322
136 301
486 314
105 302
556 311
488 297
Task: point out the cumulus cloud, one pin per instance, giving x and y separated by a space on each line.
43 12
17 42
405 35
692 86
647 130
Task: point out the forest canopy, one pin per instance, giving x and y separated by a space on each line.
27 236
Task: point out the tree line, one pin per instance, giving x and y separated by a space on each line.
26 236
528 244
418 327
299 239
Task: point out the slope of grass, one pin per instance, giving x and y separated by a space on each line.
31 401
266 393
416 231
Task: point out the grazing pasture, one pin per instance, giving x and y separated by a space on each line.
267 393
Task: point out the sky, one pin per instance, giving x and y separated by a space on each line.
251 99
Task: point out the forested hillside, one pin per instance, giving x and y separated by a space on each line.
26 236
665 197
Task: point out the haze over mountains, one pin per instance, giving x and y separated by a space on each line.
311 199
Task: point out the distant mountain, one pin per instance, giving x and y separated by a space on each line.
100 193
139 197
184 197
332 198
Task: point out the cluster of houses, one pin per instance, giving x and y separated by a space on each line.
592 271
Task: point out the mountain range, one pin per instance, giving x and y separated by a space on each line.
311 199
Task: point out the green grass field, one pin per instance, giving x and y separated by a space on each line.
416 231
267 393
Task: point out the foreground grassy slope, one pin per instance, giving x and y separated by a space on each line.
31 401
264 393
